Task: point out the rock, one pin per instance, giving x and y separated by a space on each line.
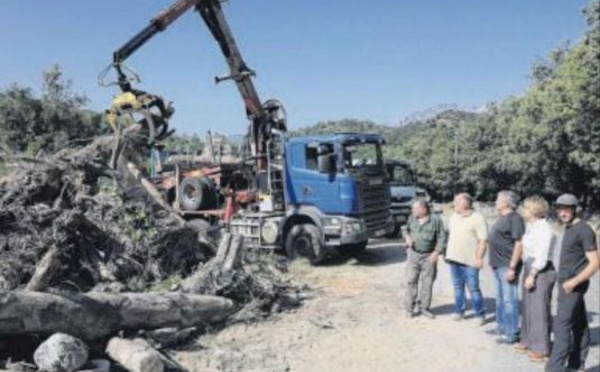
61 353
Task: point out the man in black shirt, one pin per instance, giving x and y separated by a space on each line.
579 261
505 258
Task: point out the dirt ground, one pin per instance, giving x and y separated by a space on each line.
355 323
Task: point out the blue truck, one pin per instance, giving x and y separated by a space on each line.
335 195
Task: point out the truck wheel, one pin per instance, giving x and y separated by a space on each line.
196 194
353 249
304 241
394 233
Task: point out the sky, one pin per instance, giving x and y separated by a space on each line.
325 60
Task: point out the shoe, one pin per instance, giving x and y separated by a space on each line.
481 321
409 314
427 313
520 348
494 332
537 357
457 317
505 341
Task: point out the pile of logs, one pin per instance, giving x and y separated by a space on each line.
76 319
75 286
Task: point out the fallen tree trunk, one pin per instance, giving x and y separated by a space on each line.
152 191
98 315
220 269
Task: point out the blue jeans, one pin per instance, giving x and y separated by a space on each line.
466 275
507 304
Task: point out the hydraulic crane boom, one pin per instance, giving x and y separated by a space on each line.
157 24
261 118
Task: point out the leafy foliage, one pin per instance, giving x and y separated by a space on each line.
29 124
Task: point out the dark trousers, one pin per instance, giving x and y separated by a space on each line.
536 321
571 330
420 275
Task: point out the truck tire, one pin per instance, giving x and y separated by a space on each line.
304 241
352 250
196 194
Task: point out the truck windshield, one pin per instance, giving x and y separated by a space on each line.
401 175
362 156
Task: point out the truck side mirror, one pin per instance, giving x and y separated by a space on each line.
326 163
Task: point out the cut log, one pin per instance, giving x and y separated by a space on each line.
97 315
135 355
152 191
48 266
223 248
209 277
234 254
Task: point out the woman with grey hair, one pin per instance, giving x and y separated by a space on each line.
538 282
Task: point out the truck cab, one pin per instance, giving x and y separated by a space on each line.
336 195
404 191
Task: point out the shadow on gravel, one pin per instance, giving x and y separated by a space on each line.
445 309
379 253
595 336
489 305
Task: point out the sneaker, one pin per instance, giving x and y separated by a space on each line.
505 341
481 321
457 317
494 332
427 313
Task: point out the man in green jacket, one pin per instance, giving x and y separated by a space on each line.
426 241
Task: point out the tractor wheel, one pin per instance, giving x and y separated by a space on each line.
196 194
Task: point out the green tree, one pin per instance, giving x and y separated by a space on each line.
29 124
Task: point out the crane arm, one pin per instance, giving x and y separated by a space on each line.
157 24
262 117
212 14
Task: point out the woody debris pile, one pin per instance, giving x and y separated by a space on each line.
93 267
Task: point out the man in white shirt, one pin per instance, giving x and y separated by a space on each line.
467 243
